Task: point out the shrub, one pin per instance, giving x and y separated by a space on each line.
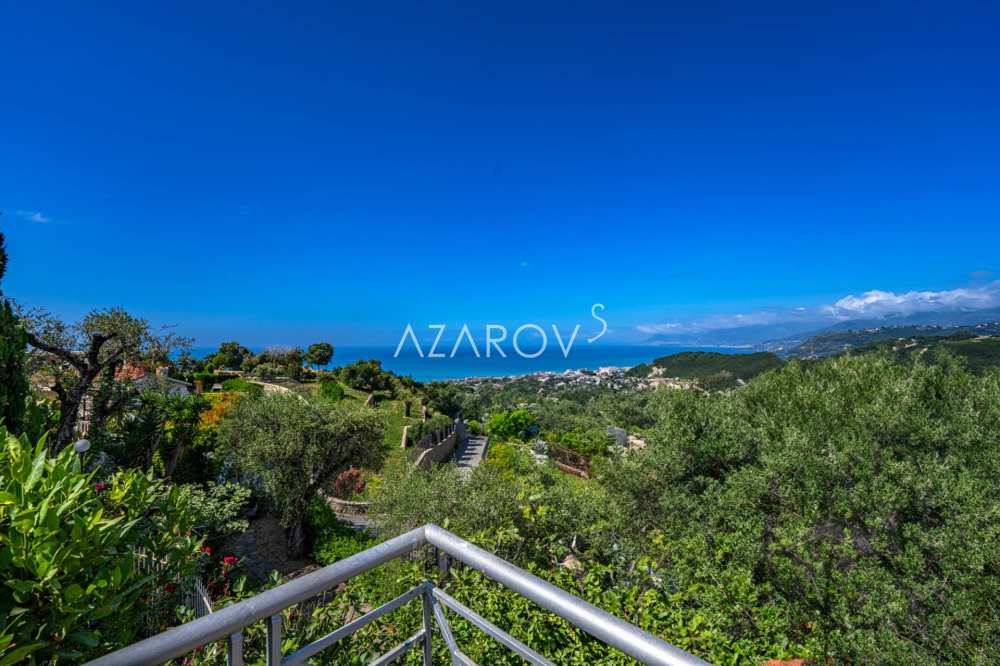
331 389
239 385
333 539
587 442
432 425
348 484
217 508
69 553
268 370
509 458
518 424
207 379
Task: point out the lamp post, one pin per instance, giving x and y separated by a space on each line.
81 446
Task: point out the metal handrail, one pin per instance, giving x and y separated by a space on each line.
228 622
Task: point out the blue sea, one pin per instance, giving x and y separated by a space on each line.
466 364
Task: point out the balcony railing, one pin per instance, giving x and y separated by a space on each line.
228 623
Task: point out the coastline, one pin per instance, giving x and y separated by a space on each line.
466 366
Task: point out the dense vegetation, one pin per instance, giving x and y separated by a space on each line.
713 368
839 511
845 511
830 343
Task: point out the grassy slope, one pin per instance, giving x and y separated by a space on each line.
395 411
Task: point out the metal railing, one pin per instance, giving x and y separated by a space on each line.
228 623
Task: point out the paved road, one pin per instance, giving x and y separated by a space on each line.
470 453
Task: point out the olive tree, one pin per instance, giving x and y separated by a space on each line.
294 448
848 507
82 361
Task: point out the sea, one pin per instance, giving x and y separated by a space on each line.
465 364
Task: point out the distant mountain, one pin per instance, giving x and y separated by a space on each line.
741 336
783 337
832 342
941 319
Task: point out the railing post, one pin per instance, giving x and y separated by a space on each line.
444 565
274 640
234 651
428 626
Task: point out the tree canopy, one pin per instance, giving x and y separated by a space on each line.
319 353
76 356
296 447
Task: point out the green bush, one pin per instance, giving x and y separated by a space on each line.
510 458
586 441
332 539
519 424
207 379
217 508
331 390
69 550
436 423
237 384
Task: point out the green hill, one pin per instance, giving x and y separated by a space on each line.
979 353
829 343
714 369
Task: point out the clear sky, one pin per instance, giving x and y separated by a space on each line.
282 172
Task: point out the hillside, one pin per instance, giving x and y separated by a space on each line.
829 343
713 368
979 353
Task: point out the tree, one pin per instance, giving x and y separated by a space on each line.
230 356
855 499
74 586
319 353
366 376
444 397
277 361
295 448
3 257
14 389
517 424
84 359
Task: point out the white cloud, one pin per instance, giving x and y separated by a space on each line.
877 303
720 322
33 216
873 304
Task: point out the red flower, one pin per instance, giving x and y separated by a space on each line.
169 588
207 550
100 487
230 559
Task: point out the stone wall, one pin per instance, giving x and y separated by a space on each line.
437 453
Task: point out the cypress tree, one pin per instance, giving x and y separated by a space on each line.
13 360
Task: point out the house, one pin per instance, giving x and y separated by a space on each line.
143 380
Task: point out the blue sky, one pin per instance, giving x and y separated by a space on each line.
283 172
